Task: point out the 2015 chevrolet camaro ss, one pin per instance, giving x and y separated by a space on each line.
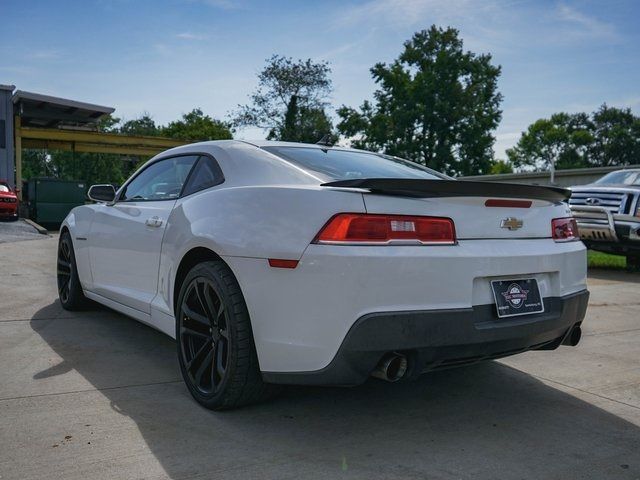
281 263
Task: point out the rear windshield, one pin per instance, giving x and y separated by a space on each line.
630 177
345 165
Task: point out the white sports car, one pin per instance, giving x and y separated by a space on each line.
281 263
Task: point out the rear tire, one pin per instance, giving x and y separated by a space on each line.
216 351
69 287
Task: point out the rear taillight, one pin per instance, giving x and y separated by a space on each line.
373 229
564 229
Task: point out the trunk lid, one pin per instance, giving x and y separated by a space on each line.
466 204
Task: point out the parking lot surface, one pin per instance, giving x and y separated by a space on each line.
16 230
97 395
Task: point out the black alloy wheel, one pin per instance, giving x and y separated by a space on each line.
64 270
69 288
204 335
216 352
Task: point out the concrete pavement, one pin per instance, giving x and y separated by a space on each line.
17 230
97 395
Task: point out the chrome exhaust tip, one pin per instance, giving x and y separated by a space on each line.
391 368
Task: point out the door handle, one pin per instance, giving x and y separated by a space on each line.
154 221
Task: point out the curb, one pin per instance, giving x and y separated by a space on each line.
39 228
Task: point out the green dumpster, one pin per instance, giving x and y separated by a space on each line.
51 199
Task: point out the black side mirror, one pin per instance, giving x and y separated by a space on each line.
102 193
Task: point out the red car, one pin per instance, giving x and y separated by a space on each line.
8 201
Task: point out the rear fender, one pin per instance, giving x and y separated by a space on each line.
253 222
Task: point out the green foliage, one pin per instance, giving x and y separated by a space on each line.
109 124
35 163
605 260
195 126
436 105
303 124
500 166
607 137
564 139
90 167
108 168
616 137
290 101
143 125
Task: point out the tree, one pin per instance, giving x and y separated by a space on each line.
304 125
36 163
561 141
290 101
109 124
436 105
500 166
143 125
616 134
110 168
608 137
196 126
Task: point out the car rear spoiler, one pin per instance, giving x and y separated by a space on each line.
410 187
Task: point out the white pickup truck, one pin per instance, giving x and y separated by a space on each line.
608 214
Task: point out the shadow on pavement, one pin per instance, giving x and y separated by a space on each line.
614 275
486 421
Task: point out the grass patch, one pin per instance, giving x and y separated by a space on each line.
605 260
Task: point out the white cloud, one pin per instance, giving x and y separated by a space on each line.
487 25
332 54
586 25
223 4
405 12
190 36
44 55
504 141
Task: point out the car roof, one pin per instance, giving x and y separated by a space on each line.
258 144
274 143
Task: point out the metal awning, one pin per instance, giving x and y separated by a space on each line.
53 123
37 110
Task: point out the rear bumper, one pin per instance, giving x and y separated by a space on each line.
441 338
300 317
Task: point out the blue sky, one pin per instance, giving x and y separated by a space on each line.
166 57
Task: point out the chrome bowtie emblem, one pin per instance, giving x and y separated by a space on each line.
511 223
592 201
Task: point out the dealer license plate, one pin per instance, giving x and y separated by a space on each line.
517 297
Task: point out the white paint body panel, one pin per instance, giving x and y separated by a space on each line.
120 236
267 208
300 316
472 219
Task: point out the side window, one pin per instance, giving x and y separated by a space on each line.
162 180
206 174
